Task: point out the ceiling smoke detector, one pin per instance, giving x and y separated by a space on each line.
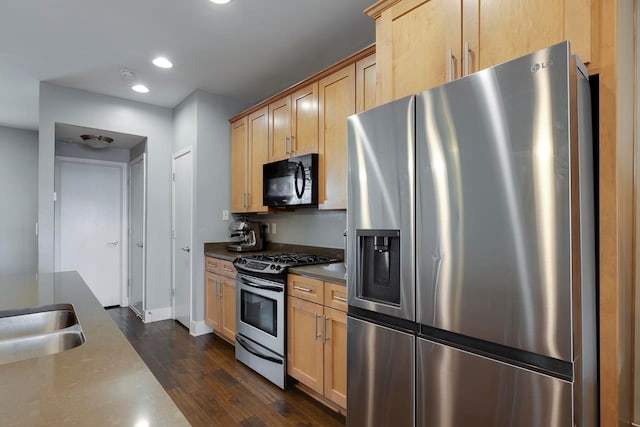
96 141
127 75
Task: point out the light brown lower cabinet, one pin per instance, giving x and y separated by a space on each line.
317 347
220 300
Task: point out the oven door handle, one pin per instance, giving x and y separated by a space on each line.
256 353
265 287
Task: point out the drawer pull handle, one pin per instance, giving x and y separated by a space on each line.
226 268
300 288
339 298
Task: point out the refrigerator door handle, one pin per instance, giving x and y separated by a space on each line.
435 279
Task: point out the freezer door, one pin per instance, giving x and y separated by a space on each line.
380 375
493 205
381 210
456 388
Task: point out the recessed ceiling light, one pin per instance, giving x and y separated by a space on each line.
220 1
162 62
140 88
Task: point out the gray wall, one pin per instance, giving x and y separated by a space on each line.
19 190
307 226
201 121
138 150
81 108
85 152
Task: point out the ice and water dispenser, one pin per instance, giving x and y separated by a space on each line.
379 266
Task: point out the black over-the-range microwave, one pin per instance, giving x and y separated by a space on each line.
291 182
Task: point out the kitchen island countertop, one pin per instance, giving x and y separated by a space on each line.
103 382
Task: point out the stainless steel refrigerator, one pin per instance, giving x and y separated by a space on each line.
471 252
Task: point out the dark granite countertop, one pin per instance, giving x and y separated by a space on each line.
334 273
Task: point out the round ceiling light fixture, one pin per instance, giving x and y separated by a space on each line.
97 141
220 1
162 62
140 88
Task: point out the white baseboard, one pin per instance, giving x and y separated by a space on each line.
199 328
157 314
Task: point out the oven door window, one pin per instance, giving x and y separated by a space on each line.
259 312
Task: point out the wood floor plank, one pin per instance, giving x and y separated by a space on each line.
209 386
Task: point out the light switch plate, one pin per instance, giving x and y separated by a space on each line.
225 215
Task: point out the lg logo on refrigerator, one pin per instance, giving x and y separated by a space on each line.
541 66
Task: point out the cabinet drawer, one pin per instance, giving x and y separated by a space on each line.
335 296
227 269
305 288
212 265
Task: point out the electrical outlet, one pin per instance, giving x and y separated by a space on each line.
274 229
225 215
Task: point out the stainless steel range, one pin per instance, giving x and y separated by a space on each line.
261 313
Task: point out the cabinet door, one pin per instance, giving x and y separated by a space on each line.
239 153
336 103
212 301
258 155
501 30
228 308
366 83
279 129
418 44
304 120
335 356
304 346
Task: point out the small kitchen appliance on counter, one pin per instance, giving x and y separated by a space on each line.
252 234
260 310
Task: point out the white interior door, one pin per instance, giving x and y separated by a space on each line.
90 225
137 236
182 196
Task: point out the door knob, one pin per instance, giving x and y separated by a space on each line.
187 249
139 244
113 243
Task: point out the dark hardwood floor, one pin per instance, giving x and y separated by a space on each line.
209 386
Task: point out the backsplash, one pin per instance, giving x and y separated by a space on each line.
306 226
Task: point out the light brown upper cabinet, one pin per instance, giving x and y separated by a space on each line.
293 124
239 172
336 102
366 83
249 151
424 43
258 153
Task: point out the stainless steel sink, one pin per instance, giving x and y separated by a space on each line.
36 320
38 331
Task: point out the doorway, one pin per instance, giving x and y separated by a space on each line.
137 234
94 207
182 198
91 238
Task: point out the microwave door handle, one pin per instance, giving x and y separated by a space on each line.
256 353
300 166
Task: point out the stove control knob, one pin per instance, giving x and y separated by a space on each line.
278 267
273 267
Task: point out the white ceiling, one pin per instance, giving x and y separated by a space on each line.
248 49
71 134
